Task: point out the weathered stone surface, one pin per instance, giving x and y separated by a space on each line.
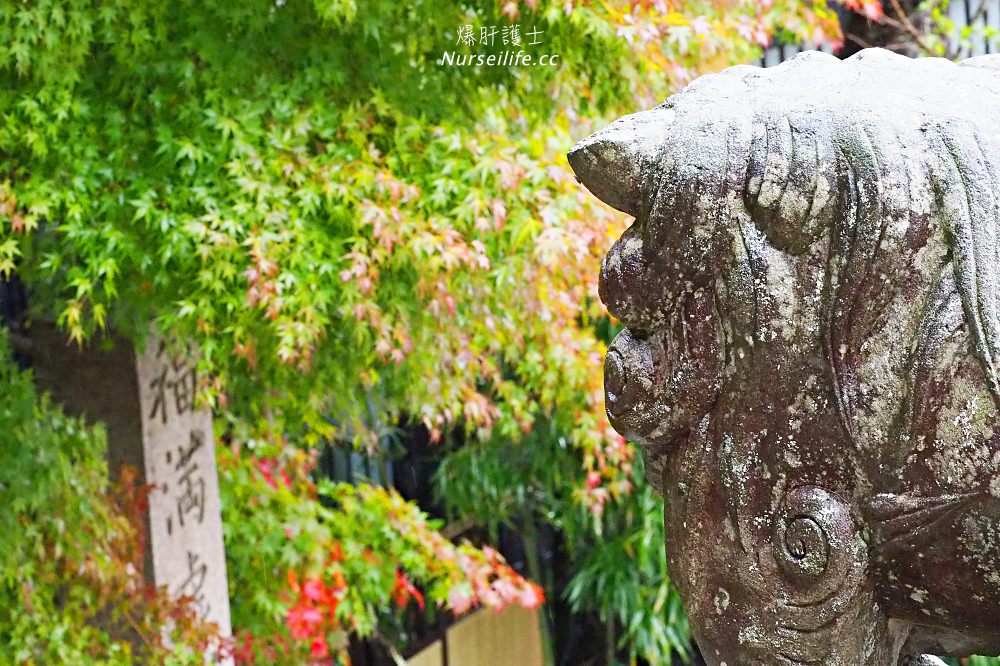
811 291
146 399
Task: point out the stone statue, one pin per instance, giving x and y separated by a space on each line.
811 291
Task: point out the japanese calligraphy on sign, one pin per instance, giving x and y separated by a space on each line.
185 521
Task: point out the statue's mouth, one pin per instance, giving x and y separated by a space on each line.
615 384
632 399
660 381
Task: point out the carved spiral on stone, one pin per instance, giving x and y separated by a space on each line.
805 547
815 544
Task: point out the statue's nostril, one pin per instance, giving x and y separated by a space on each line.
614 380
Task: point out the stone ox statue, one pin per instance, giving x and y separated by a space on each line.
811 291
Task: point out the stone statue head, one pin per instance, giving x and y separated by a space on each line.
811 296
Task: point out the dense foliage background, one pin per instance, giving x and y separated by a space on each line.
365 245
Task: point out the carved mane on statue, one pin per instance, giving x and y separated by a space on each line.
811 291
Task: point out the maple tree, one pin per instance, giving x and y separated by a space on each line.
353 233
324 571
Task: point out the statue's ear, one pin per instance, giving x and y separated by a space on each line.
964 175
618 163
791 177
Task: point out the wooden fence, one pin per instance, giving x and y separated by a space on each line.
487 638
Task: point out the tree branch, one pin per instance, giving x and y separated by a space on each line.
907 26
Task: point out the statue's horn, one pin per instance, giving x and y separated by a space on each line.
616 163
